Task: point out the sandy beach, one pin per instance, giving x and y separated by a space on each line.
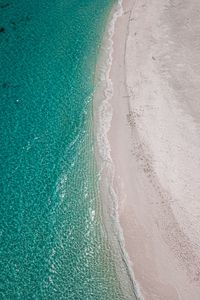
154 143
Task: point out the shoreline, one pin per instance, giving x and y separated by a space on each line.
146 128
102 110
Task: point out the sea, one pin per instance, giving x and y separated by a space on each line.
54 243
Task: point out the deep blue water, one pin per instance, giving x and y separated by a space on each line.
53 244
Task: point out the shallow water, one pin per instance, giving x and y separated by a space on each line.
53 243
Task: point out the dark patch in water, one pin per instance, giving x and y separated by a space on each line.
5 5
25 19
5 85
2 29
13 24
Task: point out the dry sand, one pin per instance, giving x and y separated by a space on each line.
155 143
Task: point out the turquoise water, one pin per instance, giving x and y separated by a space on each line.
53 243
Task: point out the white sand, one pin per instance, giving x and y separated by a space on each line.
155 143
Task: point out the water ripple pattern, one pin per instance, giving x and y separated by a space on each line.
53 242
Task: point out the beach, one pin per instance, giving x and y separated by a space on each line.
154 143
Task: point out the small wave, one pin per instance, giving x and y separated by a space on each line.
105 109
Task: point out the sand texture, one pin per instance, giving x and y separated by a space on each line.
155 143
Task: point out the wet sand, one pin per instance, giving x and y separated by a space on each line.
155 142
